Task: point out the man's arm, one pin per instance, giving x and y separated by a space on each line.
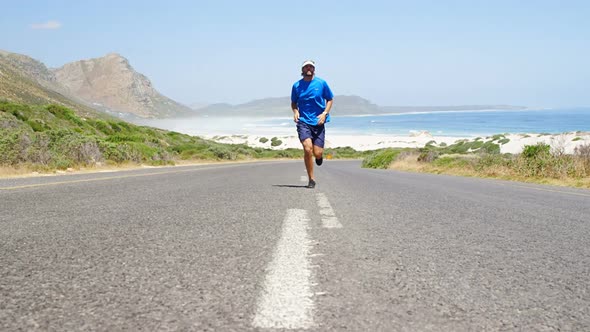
322 117
328 106
295 111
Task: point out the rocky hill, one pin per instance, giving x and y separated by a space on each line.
111 82
343 105
26 80
278 107
31 68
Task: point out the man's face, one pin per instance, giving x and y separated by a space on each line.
308 70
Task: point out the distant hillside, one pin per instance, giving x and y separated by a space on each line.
25 80
407 109
111 82
343 105
281 106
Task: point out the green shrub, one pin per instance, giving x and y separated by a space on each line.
114 126
113 152
174 134
475 145
341 152
62 164
498 137
535 160
451 162
188 154
150 132
491 160
9 150
36 125
65 114
459 147
139 152
221 152
180 148
16 110
427 156
126 138
103 127
263 140
380 159
287 153
490 147
536 151
122 125
275 142
83 150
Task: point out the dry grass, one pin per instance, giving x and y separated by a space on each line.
10 172
410 163
31 171
26 171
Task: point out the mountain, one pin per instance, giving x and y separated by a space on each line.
26 80
108 84
407 109
31 68
279 106
111 82
343 105
197 105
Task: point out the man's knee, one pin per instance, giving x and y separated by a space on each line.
307 146
317 151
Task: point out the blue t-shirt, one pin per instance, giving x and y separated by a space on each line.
311 99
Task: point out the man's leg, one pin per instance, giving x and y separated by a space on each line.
318 143
308 157
318 153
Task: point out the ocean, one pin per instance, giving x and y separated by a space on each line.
460 123
443 123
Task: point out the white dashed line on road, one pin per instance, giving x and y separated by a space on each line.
329 219
287 299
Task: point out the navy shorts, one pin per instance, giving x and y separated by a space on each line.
316 133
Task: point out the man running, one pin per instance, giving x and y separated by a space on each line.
311 101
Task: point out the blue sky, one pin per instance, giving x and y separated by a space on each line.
531 53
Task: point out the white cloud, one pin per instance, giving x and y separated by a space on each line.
50 25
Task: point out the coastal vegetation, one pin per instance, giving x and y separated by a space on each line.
275 141
539 163
53 137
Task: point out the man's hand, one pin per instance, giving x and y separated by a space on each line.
296 116
322 118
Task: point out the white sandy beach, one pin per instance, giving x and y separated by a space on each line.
565 142
244 130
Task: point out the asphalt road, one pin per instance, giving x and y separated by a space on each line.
246 247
